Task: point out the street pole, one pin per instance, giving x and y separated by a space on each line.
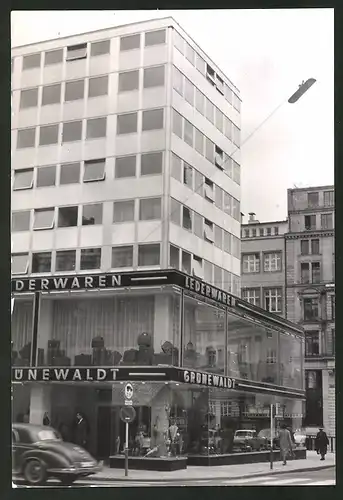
271 436
126 448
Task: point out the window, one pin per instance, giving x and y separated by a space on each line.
125 167
261 231
333 307
331 342
198 225
151 163
305 272
149 255
187 175
188 133
310 222
210 74
199 101
200 64
327 221
177 80
26 138
186 218
74 90
316 278
329 198
227 242
177 124
269 231
70 173
75 52
305 247
44 218
122 256
227 203
96 127
198 183
150 208
53 57
21 221
23 179
92 214
48 134
20 263
208 231
130 42
28 98
175 211
218 157
219 120
174 257
236 211
51 94
228 128
209 150
219 197
46 176
236 135
251 263
189 92
315 247
254 232
100 48
246 233
209 110
67 216
31 62
176 165
208 271
186 262
94 170
152 119
155 38
236 103
127 124
90 258
209 195
272 262
236 247
41 262
197 269
237 175
218 236
199 141
218 276
272 300
190 54
313 199
276 230
65 260
220 84
311 309
128 81
179 42
153 77
253 296
124 211
72 131
98 86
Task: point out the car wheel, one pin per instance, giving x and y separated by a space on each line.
35 472
68 480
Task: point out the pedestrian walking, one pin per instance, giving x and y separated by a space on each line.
285 443
322 442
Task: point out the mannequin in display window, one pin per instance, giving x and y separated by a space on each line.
173 436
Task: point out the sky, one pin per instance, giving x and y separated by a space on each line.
266 54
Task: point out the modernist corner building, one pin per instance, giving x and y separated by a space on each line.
202 362
126 249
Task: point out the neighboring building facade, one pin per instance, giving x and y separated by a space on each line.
125 155
306 276
263 264
310 285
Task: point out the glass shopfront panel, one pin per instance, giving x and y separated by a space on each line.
204 336
291 364
135 328
21 331
252 351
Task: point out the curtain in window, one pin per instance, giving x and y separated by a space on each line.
118 320
21 328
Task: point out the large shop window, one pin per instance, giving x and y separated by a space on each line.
21 331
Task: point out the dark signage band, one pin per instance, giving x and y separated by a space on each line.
209 291
208 379
64 374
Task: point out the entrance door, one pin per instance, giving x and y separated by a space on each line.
108 432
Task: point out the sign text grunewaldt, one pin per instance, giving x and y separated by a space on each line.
64 374
67 283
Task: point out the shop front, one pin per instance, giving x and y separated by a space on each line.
203 365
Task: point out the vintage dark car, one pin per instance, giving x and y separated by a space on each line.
39 453
247 440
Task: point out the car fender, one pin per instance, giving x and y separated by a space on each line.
50 459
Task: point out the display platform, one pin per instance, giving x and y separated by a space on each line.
241 458
151 463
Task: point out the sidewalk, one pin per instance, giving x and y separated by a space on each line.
195 473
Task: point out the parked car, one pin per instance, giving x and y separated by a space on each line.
248 440
299 437
39 453
264 434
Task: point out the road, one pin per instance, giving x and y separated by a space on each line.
324 477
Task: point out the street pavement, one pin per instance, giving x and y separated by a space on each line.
323 477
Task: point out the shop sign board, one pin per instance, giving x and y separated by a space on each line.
64 374
208 379
128 392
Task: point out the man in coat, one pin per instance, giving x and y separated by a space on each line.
285 443
322 443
